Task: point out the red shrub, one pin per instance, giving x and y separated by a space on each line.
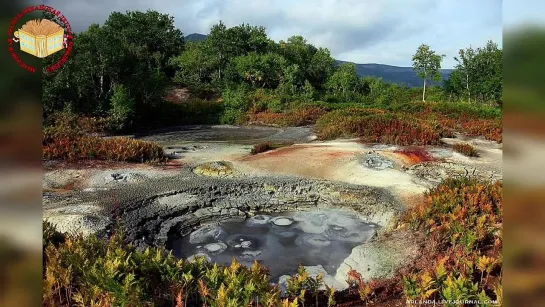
262 147
117 149
298 117
492 129
379 128
465 149
416 154
70 124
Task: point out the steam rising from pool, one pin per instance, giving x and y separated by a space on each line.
280 242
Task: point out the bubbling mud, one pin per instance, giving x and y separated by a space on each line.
281 242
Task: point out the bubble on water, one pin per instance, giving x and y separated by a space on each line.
216 248
243 241
343 220
311 222
258 220
283 241
250 254
335 232
207 233
282 221
312 241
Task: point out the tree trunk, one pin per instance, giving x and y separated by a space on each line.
467 87
101 84
219 68
424 92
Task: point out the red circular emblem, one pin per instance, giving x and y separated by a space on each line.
41 37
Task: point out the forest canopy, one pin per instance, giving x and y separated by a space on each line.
121 71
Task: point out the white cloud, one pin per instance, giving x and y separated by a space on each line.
362 31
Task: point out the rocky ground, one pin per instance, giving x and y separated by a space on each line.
212 177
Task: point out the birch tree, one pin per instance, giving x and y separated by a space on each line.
427 64
466 62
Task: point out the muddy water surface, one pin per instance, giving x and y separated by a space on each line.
280 242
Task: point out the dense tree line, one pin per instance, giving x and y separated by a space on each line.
120 71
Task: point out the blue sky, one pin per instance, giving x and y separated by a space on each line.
361 31
523 12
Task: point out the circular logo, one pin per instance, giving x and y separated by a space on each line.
41 37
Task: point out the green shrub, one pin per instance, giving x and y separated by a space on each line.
122 108
459 109
300 116
233 116
236 103
450 110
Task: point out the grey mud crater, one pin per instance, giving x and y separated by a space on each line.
177 207
207 213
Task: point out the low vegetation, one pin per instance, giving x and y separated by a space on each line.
463 253
411 123
460 260
416 154
378 128
261 147
107 272
97 148
293 118
267 146
72 138
492 129
465 149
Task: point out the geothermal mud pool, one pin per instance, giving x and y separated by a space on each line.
281 242
314 203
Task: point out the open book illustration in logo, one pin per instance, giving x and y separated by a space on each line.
41 37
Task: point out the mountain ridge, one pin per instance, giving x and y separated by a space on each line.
195 37
394 74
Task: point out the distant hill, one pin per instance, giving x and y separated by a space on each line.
393 74
195 37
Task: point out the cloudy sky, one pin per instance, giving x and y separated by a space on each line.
361 31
